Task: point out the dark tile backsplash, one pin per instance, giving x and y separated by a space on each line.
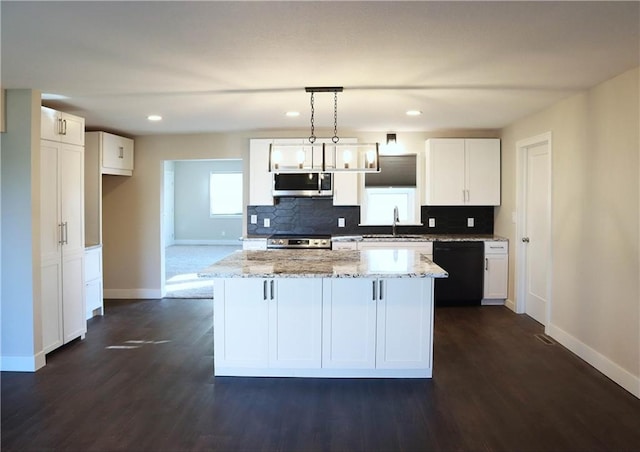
320 216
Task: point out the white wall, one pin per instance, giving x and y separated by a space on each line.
595 307
193 223
20 321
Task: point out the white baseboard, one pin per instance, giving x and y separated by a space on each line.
612 370
510 304
237 241
136 294
22 363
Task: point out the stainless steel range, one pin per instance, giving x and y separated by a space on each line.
299 242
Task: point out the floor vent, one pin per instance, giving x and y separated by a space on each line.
545 339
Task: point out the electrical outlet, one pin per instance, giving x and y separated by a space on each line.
267 222
432 222
341 222
254 219
470 222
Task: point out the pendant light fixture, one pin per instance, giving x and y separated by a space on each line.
328 155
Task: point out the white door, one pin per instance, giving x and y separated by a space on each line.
295 319
349 323
241 323
536 230
404 323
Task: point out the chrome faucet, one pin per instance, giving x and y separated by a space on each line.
396 220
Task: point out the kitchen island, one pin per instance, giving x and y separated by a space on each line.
320 313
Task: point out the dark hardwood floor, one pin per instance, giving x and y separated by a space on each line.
496 386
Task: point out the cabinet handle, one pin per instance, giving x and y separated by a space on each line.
381 287
66 233
61 240
486 263
64 127
375 295
272 286
264 289
120 152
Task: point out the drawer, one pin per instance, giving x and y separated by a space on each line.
496 247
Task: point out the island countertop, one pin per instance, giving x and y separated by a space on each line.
383 263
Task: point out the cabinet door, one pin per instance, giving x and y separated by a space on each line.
73 303
260 179
483 171
345 184
72 216
295 318
348 323
117 155
445 163
72 131
49 124
241 322
405 323
50 247
496 271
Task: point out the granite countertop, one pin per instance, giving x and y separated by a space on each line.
325 264
418 238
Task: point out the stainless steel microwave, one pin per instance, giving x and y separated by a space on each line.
302 184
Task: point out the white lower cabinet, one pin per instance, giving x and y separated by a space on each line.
330 327
377 323
496 272
93 281
262 324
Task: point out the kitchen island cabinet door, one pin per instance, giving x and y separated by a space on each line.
349 323
241 322
295 319
404 323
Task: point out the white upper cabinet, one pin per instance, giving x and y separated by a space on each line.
260 178
117 154
462 172
61 127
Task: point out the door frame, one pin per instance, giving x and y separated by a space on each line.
521 195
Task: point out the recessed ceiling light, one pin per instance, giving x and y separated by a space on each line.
154 118
293 114
414 112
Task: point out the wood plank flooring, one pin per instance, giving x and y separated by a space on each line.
496 387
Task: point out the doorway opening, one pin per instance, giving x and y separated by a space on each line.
200 227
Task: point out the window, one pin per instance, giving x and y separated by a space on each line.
380 202
225 194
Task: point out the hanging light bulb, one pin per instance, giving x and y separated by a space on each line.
276 157
346 157
371 158
300 158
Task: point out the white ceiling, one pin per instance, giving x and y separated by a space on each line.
228 66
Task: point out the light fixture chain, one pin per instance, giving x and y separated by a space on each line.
335 138
312 138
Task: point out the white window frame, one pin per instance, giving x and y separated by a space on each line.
226 191
409 218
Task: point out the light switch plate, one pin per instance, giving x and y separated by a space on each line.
254 219
341 222
470 222
267 222
432 222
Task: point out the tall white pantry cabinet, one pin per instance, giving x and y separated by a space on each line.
62 228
